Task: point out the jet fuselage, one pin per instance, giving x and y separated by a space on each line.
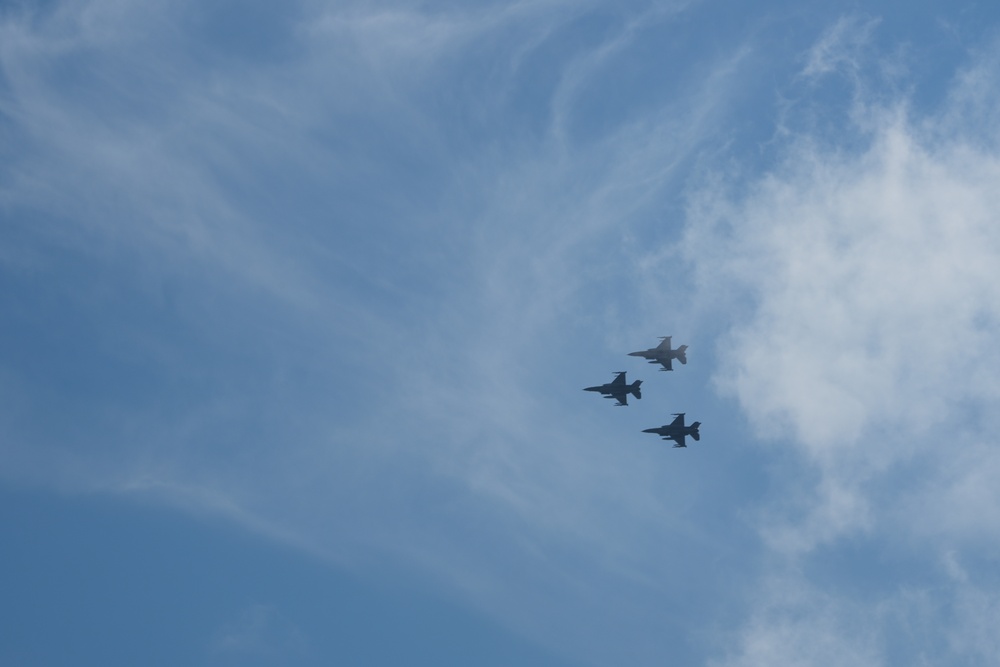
662 354
677 431
617 389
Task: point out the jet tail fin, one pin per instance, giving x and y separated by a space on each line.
634 388
681 354
694 431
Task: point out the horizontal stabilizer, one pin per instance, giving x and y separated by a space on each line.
681 354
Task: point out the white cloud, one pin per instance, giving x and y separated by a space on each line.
866 306
872 279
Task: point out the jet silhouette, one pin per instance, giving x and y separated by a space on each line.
676 430
618 390
662 354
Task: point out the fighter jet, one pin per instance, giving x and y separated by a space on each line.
618 390
662 354
676 430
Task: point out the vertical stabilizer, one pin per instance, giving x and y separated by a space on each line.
681 354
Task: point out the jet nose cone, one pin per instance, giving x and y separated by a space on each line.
649 430
635 354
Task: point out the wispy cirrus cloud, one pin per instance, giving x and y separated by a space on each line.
841 47
324 303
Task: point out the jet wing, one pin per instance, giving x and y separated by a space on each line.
678 421
621 397
679 440
668 364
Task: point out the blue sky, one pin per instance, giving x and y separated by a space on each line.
298 300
